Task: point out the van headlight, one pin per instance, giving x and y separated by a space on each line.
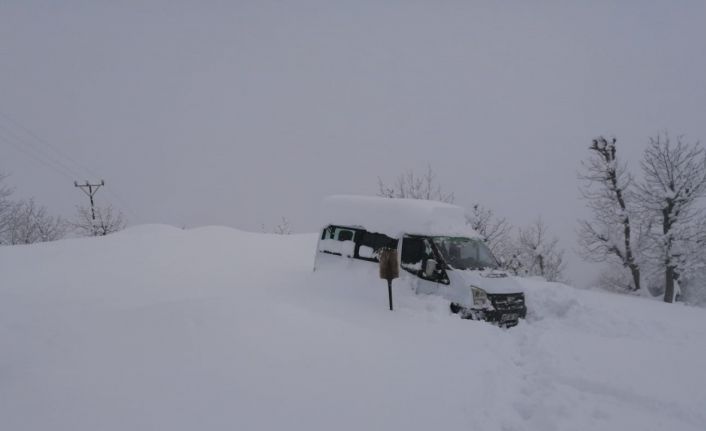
480 296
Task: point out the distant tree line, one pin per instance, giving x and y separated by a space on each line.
24 221
649 231
282 228
529 250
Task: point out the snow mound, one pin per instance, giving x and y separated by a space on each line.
149 229
214 328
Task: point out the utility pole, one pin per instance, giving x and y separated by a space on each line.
90 190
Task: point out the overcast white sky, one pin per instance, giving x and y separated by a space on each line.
238 113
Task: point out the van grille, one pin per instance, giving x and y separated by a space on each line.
509 301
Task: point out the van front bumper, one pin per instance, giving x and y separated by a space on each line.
507 310
508 317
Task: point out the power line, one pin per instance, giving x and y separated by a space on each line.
11 135
56 149
37 153
37 150
63 171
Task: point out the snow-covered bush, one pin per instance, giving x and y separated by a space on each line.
25 221
99 221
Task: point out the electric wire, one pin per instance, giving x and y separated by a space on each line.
37 158
58 151
35 152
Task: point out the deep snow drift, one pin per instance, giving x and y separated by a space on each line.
158 328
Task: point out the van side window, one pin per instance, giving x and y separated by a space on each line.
345 235
369 244
414 251
352 242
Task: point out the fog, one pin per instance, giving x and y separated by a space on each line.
241 113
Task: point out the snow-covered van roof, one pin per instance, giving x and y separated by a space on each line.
395 217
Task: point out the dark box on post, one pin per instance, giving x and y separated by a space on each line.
389 265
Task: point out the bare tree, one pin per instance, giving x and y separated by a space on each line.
5 205
692 277
5 191
610 234
674 179
614 277
28 223
411 185
538 253
700 238
107 220
494 230
283 228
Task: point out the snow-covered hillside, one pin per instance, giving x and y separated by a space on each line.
157 328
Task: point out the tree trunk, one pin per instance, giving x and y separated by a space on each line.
669 286
635 271
669 259
627 235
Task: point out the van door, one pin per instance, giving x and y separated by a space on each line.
416 252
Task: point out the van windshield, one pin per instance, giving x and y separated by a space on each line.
465 253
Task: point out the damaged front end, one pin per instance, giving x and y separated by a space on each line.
503 309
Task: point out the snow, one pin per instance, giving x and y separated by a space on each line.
214 328
394 217
365 251
344 248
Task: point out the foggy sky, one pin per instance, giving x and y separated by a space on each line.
239 113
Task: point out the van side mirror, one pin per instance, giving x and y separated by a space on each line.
429 267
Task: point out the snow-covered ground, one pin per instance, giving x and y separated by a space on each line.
158 328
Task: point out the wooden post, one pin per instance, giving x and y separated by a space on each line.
389 292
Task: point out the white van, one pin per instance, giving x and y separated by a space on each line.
439 253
